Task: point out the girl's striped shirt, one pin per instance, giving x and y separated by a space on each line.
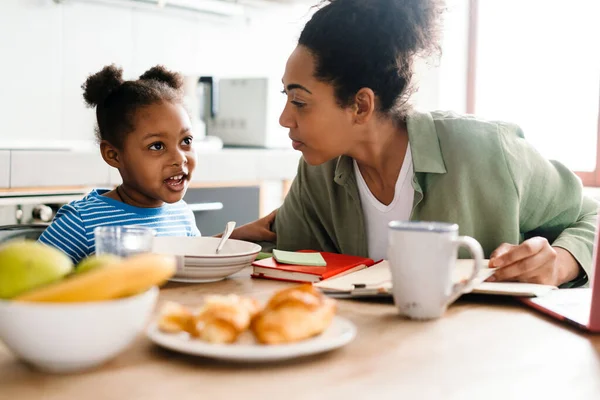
72 230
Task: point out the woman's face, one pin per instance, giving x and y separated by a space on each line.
319 127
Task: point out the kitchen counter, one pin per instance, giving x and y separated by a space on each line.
4 168
26 170
21 169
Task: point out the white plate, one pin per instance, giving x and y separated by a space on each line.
197 260
340 332
191 273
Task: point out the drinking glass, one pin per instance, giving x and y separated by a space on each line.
123 241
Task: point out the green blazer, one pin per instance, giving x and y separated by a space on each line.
478 174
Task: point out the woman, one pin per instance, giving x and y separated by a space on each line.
369 159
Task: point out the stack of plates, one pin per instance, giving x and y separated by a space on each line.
197 260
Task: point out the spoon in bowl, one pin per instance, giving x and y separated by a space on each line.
228 229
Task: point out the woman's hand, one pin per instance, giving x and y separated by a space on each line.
533 261
257 231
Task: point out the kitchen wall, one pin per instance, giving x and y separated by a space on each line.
48 49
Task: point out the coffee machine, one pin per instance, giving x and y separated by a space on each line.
244 112
194 98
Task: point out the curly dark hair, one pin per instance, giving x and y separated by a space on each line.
116 100
372 43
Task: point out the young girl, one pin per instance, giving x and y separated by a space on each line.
144 132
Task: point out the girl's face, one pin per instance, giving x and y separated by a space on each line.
158 157
318 126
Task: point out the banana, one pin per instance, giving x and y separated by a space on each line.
132 275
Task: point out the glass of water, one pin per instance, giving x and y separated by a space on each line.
123 241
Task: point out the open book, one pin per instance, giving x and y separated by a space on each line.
376 281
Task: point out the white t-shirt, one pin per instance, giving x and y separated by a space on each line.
378 215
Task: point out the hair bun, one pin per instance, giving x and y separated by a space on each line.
100 85
161 74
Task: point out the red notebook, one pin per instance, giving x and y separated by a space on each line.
337 265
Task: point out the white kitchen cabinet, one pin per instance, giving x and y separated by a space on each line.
246 165
103 34
216 51
165 39
224 166
31 52
4 169
227 165
281 165
57 168
31 168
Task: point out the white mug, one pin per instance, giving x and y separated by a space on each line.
422 256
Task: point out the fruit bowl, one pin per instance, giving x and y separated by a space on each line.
69 337
197 260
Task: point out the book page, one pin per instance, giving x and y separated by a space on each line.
513 289
463 269
378 278
377 275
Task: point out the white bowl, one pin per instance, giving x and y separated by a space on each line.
197 260
69 337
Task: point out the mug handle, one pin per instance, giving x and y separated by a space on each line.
477 253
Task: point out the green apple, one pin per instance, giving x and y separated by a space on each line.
26 264
95 261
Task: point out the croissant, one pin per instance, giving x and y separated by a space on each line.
220 320
174 318
293 314
223 318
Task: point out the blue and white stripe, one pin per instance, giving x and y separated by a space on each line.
72 230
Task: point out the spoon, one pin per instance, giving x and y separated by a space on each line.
228 229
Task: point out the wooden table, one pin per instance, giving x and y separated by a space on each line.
488 348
